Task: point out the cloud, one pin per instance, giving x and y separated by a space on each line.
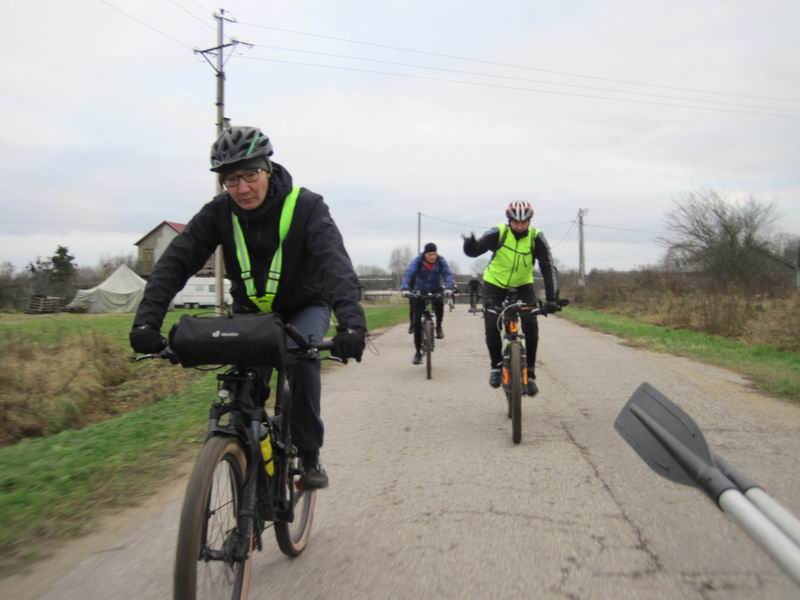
109 123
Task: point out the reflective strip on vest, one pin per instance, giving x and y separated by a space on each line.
264 303
512 263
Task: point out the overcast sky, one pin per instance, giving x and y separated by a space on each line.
619 106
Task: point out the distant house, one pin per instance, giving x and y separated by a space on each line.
152 245
781 269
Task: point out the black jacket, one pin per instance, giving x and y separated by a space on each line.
316 266
541 252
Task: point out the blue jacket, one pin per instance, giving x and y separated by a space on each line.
420 279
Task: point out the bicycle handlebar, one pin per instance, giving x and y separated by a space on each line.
426 295
304 346
534 309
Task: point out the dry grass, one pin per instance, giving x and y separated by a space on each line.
82 379
667 300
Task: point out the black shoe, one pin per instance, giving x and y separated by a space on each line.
531 389
439 333
314 476
495 378
417 360
411 328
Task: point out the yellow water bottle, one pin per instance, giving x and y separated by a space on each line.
266 452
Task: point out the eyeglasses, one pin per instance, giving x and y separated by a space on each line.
232 181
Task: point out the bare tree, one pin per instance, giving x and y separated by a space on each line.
479 266
399 261
719 237
787 246
108 264
14 288
371 271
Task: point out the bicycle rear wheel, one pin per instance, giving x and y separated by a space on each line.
428 348
515 375
209 526
293 537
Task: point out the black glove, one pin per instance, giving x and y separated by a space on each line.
551 307
348 343
146 340
470 244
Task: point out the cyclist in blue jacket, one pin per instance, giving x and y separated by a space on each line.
427 273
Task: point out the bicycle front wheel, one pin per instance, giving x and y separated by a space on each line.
515 375
428 348
209 526
293 537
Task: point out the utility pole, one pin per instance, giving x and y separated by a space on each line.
419 232
218 51
581 253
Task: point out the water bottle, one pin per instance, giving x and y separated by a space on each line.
266 451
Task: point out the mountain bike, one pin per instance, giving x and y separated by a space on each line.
474 296
428 337
451 300
515 373
248 474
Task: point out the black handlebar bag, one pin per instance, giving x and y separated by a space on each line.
256 340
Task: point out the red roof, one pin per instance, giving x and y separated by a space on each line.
177 227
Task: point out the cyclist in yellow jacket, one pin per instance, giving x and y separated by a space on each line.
515 246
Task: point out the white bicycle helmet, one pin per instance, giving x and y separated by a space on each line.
519 210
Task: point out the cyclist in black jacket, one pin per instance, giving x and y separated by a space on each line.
310 277
515 247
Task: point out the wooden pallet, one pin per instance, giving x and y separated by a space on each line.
46 304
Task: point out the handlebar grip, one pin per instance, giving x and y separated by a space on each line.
296 336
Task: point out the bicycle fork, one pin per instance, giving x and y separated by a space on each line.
507 365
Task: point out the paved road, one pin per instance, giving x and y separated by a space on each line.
430 498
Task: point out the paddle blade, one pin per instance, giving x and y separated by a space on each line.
648 400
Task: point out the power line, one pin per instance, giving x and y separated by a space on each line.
194 16
525 79
201 7
455 223
566 235
517 88
625 229
516 66
484 226
130 16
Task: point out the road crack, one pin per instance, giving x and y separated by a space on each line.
642 544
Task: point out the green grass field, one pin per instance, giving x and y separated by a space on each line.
53 487
773 371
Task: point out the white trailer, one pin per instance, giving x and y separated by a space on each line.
201 291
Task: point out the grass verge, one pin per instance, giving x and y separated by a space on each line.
773 371
53 487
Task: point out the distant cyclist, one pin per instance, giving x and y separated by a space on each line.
474 292
514 245
427 273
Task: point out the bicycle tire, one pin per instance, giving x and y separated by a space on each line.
293 537
515 374
429 348
211 509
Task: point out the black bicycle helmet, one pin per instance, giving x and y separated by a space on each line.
237 144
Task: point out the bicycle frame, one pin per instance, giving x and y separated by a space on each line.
428 299
264 498
240 387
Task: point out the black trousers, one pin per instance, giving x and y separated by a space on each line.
304 379
474 296
417 306
494 296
